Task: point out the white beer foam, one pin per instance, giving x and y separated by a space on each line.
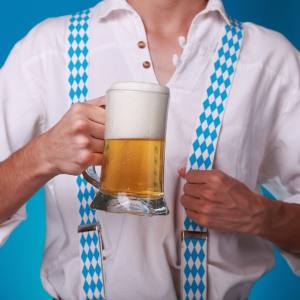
136 113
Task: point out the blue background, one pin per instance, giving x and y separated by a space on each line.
21 256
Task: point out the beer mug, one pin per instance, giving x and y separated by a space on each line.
132 174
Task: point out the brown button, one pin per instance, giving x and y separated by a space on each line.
146 64
141 44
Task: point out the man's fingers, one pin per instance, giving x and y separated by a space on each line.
214 210
90 112
97 159
96 114
96 130
196 176
88 128
101 101
85 142
206 176
96 110
191 203
216 222
200 206
204 220
196 217
97 146
199 190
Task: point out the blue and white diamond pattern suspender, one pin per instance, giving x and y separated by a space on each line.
208 125
89 230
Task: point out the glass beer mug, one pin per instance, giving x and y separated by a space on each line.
133 168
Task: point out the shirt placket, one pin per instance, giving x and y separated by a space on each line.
132 40
143 53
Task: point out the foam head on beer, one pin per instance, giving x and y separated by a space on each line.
136 110
134 140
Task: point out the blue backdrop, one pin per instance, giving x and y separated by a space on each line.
21 256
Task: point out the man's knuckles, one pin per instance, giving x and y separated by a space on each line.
200 190
207 176
192 189
199 218
80 125
85 109
209 193
217 177
207 208
191 176
78 109
83 142
101 101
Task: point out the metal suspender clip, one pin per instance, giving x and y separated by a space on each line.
194 235
93 227
89 227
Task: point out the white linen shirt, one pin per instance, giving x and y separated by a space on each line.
259 143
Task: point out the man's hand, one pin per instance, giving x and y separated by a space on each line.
218 201
76 141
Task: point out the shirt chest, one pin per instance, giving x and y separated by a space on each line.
246 124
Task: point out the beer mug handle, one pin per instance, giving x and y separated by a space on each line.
91 176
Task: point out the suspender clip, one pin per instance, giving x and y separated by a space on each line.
89 227
194 235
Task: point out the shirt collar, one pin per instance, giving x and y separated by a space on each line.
106 7
217 6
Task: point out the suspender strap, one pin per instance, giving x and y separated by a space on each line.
208 125
89 230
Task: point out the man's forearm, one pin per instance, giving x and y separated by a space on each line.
282 225
69 147
21 175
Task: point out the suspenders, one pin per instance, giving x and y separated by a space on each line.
89 230
208 125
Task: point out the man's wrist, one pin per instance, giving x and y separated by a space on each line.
280 223
269 211
41 163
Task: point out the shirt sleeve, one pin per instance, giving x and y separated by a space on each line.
22 115
280 173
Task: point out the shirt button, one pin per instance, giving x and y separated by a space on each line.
146 64
141 44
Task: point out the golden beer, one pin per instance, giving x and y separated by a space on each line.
134 167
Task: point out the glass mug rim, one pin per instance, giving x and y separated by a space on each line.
139 86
